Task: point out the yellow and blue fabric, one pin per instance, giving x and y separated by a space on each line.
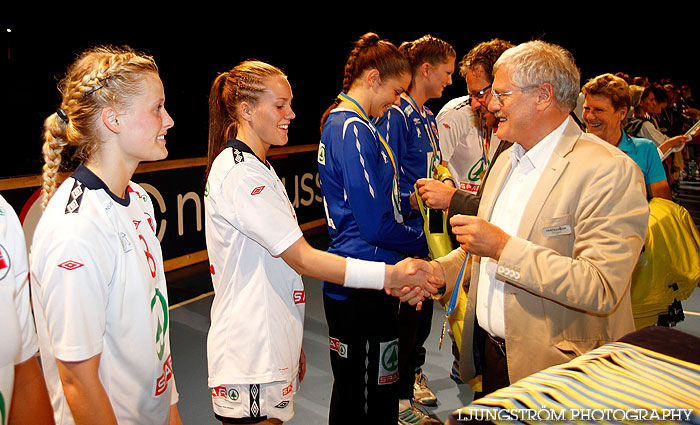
618 378
669 266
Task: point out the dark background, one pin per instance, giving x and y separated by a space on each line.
311 46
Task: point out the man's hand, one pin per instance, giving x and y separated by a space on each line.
478 236
435 194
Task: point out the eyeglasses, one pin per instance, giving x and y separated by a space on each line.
496 95
480 94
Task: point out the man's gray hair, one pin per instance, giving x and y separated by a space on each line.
536 62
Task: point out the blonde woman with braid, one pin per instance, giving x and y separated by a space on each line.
98 285
257 253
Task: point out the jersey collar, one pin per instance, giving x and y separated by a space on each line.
242 147
91 181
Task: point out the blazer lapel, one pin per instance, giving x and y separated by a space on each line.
554 169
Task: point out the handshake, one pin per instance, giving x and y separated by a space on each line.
413 280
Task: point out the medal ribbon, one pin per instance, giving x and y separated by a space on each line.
432 137
453 298
364 116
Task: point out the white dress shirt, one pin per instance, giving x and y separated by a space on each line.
525 172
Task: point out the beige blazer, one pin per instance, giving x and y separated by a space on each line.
568 269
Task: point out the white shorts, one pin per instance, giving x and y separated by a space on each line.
251 403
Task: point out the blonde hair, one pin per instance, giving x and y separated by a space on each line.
100 77
245 82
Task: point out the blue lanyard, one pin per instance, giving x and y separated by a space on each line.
453 298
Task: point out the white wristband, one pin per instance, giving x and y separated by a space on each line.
364 274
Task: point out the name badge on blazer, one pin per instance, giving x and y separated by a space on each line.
557 230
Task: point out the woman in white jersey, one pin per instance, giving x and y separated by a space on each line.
98 284
23 396
257 253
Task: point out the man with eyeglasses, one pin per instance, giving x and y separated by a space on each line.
466 132
468 144
560 227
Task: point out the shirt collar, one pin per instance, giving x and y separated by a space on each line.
90 180
241 146
625 144
538 156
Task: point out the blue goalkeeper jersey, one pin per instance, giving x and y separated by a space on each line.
413 136
357 174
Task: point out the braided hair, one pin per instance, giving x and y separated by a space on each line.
371 52
243 83
427 49
100 77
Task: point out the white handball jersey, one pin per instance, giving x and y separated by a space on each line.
10 349
99 288
257 316
463 145
18 342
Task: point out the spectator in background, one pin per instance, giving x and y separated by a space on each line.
671 118
687 97
604 110
644 124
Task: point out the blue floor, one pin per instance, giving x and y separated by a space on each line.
191 297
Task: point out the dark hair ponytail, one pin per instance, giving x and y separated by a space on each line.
370 52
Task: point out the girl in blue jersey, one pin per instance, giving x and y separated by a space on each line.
360 186
411 131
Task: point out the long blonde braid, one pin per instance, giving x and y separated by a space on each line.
100 77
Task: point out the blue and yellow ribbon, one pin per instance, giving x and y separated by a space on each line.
361 112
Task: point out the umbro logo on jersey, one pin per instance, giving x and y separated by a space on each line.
70 265
282 404
446 125
257 190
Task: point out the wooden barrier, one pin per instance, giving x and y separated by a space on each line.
176 188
